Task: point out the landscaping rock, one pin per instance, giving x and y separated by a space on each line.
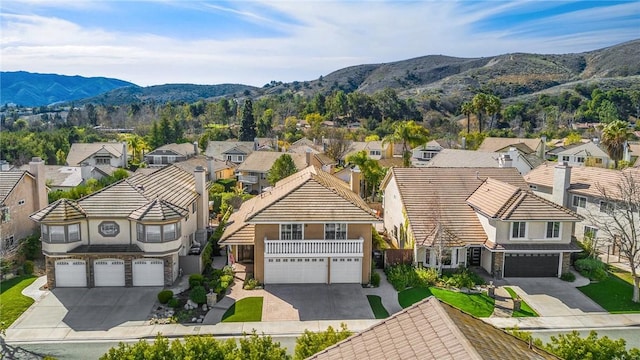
204 307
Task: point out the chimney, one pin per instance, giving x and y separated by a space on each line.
464 143
196 150
85 171
203 201
505 160
542 148
36 168
4 165
354 181
626 155
211 169
125 155
277 145
255 144
561 182
308 156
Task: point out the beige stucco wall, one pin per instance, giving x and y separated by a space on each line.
20 225
123 237
536 232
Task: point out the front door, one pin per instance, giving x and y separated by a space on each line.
245 253
473 256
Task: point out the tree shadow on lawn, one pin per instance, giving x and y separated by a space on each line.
478 305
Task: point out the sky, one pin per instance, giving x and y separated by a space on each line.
154 42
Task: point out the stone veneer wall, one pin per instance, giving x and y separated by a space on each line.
90 258
566 262
498 261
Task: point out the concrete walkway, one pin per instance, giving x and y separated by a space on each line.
387 293
504 304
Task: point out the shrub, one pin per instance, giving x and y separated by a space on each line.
195 280
426 277
568 276
251 284
591 268
400 276
378 241
164 296
206 255
375 279
28 267
463 278
198 294
226 278
227 270
173 302
310 343
31 247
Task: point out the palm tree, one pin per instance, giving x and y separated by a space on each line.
493 108
614 135
479 103
467 109
410 134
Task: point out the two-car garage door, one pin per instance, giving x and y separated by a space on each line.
109 272
531 265
312 270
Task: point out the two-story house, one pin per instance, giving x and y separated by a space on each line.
421 155
583 190
132 233
113 154
309 228
585 154
233 151
484 217
469 158
252 173
171 153
21 193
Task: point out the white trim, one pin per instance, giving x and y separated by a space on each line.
523 236
546 230
318 222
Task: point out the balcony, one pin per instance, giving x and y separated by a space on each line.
296 248
248 179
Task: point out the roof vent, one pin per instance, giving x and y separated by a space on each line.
140 187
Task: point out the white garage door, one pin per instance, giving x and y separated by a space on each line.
108 272
346 270
71 273
148 272
295 271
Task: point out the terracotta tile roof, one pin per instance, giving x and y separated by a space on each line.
262 161
430 193
158 210
391 162
81 151
497 199
244 235
432 329
217 148
584 180
186 149
170 184
464 158
587 149
8 181
495 144
61 175
308 195
60 211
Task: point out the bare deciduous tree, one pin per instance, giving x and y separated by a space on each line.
621 224
337 144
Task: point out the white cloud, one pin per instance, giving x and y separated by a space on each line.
323 37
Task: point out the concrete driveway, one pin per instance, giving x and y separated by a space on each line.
89 309
315 302
554 297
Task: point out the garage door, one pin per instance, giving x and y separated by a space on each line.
108 272
295 271
71 273
346 270
148 272
531 265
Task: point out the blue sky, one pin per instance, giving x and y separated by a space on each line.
154 42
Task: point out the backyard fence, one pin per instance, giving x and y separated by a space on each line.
398 256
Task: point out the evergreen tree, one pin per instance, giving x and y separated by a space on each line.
248 126
281 168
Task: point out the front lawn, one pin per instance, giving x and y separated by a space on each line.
525 309
376 306
478 305
12 302
244 310
613 294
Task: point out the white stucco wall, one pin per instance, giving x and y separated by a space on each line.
392 207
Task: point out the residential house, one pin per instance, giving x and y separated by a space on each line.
233 151
581 189
526 146
484 217
376 150
171 153
318 158
421 155
252 173
432 329
112 154
136 232
469 158
60 177
21 193
309 228
589 154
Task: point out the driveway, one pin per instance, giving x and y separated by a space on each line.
89 309
315 302
553 297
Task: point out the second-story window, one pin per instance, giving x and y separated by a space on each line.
606 207
291 231
518 230
579 201
5 215
375 153
553 230
158 233
335 231
60 233
102 160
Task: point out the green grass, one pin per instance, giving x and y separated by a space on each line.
479 305
613 294
622 274
376 306
12 302
525 309
247 309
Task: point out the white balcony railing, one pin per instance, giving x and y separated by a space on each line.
293 248
248 179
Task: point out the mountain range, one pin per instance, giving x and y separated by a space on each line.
506 75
